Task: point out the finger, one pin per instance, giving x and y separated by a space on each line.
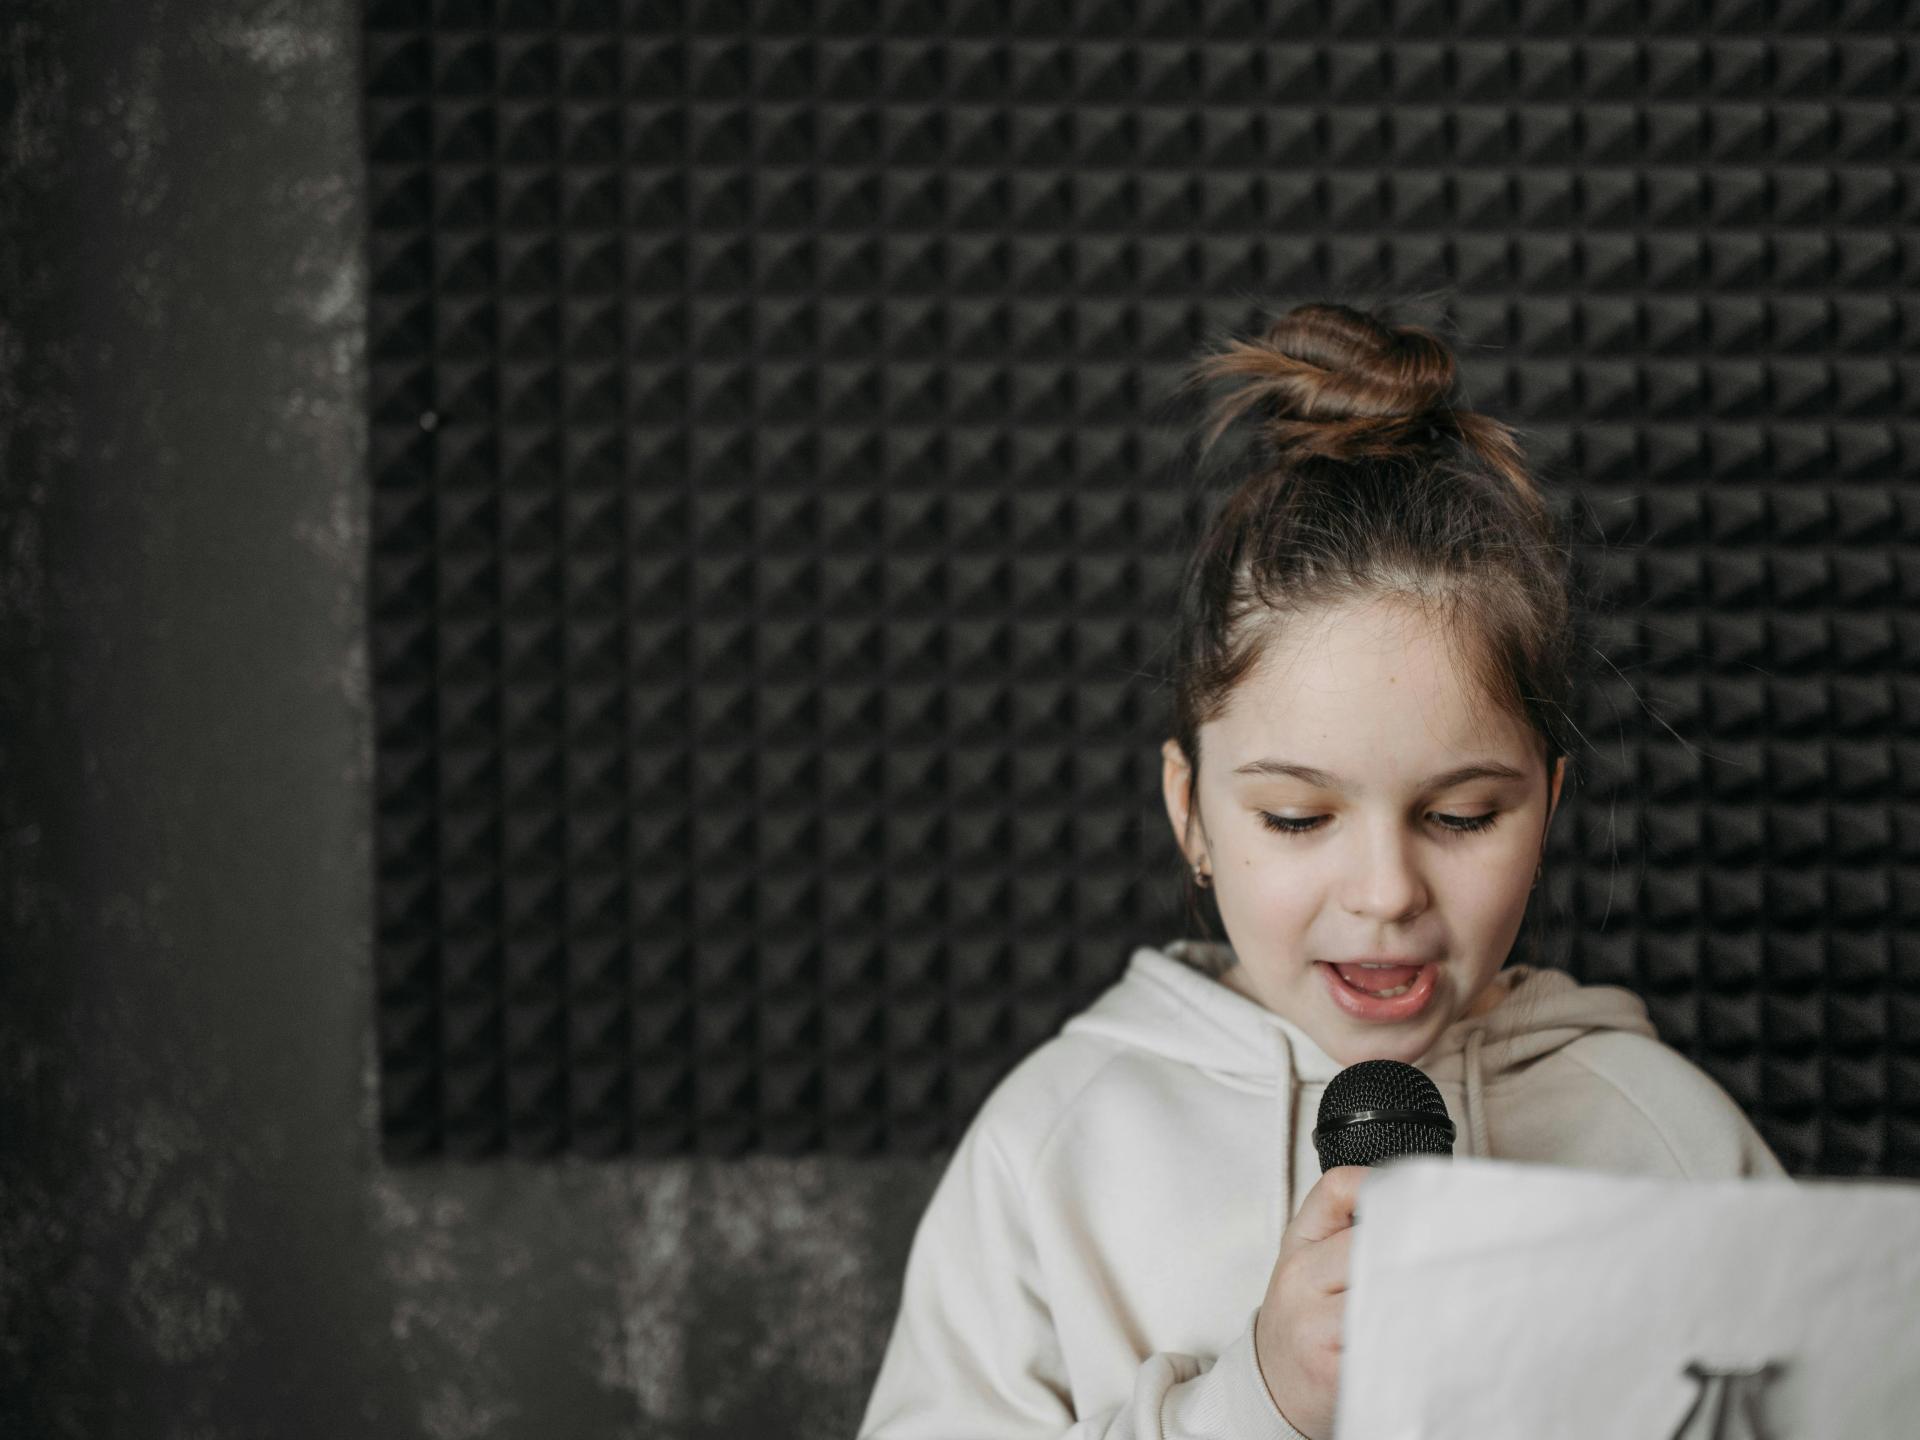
1324 1264
1323 1330
1328 1208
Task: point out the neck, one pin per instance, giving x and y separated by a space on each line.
1497 990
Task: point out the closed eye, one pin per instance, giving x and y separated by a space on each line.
1451 824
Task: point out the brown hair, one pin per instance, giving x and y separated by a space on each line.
1374 481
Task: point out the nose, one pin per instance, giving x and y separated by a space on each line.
1386 883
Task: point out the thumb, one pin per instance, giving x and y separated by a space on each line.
1329 1206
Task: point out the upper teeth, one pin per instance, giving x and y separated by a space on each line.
1380 965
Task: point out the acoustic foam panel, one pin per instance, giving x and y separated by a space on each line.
777 513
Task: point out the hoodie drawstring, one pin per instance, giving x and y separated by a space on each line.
1476 1093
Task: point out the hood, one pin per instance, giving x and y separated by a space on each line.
1169 1002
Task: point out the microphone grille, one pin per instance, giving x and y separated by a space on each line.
1343 1138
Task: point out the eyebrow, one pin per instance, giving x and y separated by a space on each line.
1284 769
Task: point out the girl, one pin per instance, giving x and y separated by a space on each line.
1132 1238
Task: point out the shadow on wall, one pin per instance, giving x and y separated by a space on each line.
196 1234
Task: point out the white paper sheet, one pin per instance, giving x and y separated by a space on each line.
1489 1298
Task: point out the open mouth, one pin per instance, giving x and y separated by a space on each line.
1389 992
1383 982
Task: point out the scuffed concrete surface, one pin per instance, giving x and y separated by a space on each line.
671 1299
197 1237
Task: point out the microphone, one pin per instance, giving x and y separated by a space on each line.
1379 1109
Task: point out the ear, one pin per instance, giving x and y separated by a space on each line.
1553 802
1175 776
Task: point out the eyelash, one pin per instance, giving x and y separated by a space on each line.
1463 824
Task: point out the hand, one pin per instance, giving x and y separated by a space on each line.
1296 1335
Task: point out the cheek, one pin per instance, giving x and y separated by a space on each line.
1492 894
1280 897
1482 889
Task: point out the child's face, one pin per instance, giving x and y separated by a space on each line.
1372 696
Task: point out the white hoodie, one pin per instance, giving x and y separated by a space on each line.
1095 1252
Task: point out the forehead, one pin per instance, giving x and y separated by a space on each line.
1362 690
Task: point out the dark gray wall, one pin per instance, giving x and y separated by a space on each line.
197 1236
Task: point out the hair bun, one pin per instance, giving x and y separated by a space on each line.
1336 382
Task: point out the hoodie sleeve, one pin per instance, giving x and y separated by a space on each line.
1700 1130
974 1355
1756 1157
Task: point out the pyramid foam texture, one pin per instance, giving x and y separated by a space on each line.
776 520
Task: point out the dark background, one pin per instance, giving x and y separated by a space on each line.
198 1234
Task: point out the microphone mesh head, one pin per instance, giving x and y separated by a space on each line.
1380 1085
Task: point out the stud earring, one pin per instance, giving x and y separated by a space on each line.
1201 877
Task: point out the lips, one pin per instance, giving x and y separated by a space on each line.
1358 1004
1375 977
